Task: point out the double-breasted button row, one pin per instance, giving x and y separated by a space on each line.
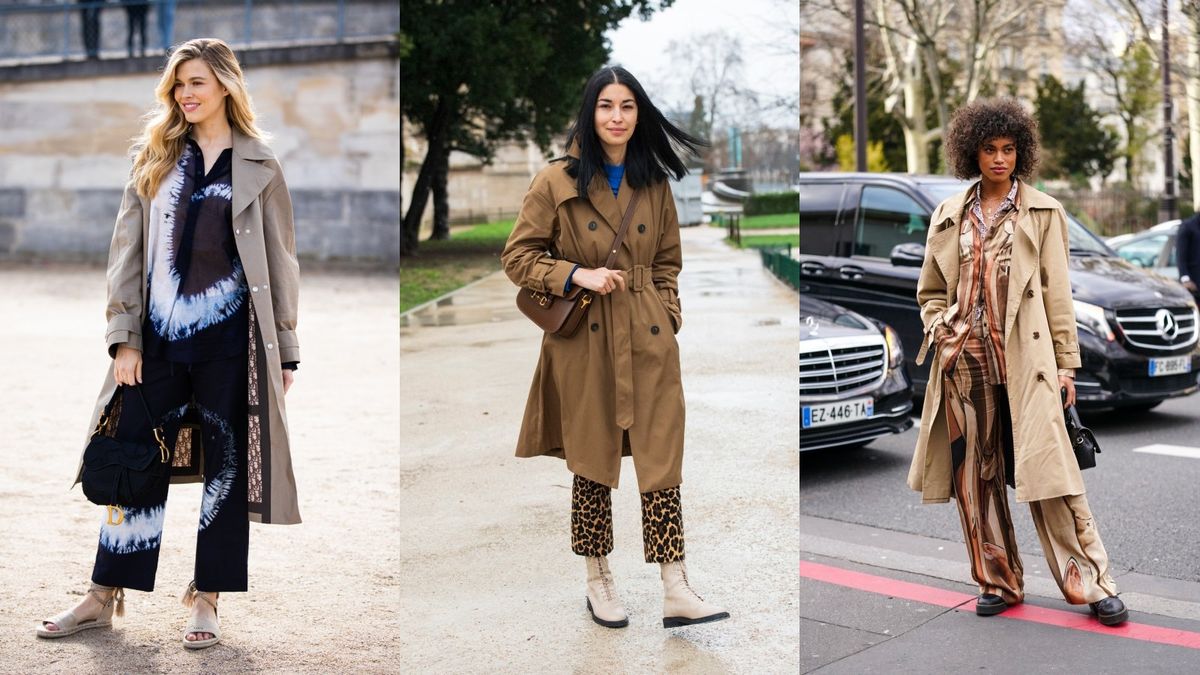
245 231
254 289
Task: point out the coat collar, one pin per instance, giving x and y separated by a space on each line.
1029 198
611 209
251 170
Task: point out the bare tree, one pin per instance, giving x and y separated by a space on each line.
712 63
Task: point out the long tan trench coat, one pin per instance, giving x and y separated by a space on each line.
1039 338
266 243
620 371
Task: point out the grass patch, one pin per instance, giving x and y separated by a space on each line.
443 266
760 241
771 221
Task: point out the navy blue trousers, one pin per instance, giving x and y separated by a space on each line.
127 555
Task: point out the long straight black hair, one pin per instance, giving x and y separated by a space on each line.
651 154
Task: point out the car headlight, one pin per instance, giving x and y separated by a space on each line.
1091 318
895 350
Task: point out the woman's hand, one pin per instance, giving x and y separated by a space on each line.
127 367
602 280
1067 383
288 377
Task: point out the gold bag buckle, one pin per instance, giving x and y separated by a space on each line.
120 514
164 454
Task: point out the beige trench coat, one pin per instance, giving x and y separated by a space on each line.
1039 338
620 371
266 243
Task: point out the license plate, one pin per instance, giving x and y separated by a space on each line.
839 412
1172 366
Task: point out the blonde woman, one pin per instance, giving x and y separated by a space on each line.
202 295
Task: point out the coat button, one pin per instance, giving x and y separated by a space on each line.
641 229
254 289
1029 293
592 225
1036 335
595 327
654 330
237 231
271 346
1041 377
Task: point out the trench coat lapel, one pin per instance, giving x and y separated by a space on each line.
609 207
250 174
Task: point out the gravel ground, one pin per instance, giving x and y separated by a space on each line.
323 595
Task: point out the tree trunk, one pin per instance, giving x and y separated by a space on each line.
916 147
441 207
435 135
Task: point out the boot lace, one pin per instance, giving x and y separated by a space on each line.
687 583
606 579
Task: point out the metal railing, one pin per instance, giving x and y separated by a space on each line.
780 262
50 30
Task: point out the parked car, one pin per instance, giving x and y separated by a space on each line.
862 243
1153 249
854 387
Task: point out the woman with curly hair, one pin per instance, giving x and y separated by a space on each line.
996 304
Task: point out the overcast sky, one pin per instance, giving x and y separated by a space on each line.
767 30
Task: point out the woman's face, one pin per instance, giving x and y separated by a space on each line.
616 115
998 159
198 93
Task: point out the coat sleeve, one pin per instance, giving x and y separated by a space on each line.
526 257
1054 257
931 290
279 237
1185 249
668 259
126 276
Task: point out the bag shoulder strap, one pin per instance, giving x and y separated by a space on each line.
616 245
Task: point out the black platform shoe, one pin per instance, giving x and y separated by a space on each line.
1111 611
988 604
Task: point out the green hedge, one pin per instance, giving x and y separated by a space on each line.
772 202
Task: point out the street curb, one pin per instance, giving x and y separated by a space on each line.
944 559
443 296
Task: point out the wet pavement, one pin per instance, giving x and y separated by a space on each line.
490 583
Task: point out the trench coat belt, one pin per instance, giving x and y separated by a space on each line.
637 278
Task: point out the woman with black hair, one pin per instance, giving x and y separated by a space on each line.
613 388
1000 323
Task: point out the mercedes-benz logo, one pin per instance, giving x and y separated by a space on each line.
1164 320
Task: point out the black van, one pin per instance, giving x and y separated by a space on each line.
862 243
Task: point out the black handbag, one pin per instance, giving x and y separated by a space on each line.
125 473
1083 441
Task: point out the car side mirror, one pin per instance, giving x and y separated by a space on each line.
910 254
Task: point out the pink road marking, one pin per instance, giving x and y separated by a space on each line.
1023 612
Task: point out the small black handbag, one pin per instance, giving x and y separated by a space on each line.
124 473
1083 441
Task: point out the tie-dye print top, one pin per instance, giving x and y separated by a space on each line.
981 299
197 309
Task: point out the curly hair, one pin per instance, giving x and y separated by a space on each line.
982 120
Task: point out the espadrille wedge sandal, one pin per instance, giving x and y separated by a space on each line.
200 624
113 601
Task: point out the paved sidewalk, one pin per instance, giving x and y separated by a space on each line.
323 595
489 581
900 618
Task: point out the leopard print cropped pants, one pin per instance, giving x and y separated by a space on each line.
592 523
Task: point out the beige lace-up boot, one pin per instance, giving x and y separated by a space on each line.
602 600
682 606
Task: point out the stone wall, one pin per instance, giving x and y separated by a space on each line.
334 127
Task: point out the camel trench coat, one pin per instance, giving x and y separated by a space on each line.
1039 338
620 371
266 242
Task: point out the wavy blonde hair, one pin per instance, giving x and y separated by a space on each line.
164 132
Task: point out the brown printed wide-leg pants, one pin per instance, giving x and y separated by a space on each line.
592 522
977 418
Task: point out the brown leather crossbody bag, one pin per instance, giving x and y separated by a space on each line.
562 315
